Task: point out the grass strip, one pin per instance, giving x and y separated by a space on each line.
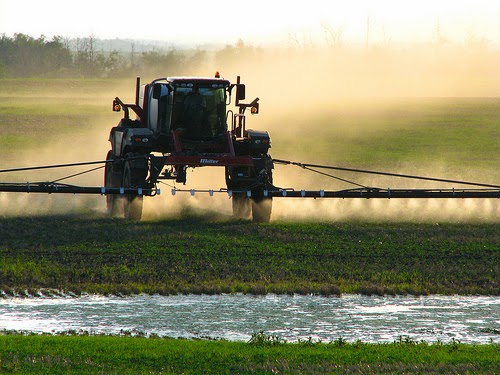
135 355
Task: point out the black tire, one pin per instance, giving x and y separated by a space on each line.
133 178
261 205
256 179
112 179
241 206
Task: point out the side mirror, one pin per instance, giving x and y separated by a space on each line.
157 90
240 92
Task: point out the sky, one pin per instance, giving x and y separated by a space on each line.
261 22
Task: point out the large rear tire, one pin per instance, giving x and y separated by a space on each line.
133 178
262 205
112 179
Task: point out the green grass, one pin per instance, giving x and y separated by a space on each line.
129 355
196 254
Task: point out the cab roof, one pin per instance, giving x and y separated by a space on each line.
201 81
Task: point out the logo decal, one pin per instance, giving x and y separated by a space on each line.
209 161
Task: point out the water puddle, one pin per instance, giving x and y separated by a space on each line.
470 319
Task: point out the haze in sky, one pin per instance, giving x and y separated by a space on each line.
262 22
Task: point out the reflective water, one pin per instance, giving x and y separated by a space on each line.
470 319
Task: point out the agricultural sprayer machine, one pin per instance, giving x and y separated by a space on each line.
184 122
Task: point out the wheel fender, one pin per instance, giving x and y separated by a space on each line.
116 140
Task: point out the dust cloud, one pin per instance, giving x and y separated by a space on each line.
320 106
325 106
69 121
348 98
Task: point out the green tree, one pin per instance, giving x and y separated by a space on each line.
23 55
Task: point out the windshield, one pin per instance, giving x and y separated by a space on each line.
199 111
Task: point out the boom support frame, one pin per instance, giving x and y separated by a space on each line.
486 191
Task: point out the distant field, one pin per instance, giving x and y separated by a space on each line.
452 137
456 136
37 115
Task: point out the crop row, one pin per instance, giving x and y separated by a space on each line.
199 255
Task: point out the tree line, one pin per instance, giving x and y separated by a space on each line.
435 68
25 56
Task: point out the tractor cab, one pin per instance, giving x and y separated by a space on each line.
193 107
183 114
